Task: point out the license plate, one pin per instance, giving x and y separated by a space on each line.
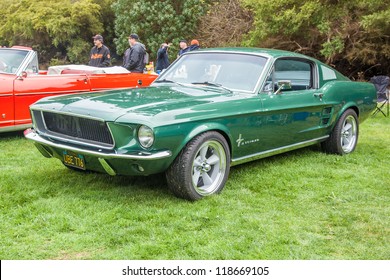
74 160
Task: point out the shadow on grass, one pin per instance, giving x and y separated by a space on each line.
280 159
12 135
100 184
68 182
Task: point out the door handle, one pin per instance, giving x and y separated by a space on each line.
319 95
83 80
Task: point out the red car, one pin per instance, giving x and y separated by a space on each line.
21 83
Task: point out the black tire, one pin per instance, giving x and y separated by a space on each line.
344 136
202 167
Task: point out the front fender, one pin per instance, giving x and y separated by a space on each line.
177 143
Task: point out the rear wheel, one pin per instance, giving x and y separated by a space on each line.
202 167
344 136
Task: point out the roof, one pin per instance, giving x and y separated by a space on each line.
269 52
16 48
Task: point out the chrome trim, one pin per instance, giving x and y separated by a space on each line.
51 92
15 127
228 50
33 136
88 143
36 108
26 61
40 112
278 150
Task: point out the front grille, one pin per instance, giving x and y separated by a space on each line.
78 128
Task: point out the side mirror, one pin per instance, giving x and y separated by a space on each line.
283 85
22 76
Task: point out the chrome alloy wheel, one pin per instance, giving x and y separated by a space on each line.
348 134
208 168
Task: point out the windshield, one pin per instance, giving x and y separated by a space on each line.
233 71
10 60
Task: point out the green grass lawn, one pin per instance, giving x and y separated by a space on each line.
300 205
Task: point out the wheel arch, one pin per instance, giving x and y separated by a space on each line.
223 130
346 106
335 144
351 106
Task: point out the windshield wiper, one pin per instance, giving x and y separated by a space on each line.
168 81
164 81
207 83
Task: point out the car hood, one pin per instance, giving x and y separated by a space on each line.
147 105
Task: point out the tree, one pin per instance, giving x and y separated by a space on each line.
157 21
62 28
347 34
225 24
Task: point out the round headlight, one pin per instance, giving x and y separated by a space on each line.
145 136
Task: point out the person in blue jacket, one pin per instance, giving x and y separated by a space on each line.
183 47
162 57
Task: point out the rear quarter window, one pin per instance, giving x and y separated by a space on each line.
328 73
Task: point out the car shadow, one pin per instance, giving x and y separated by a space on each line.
279 158
130 186
11 135
152 187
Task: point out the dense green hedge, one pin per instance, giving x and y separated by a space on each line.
352 35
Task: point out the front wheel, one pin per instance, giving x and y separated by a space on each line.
344 136
202 167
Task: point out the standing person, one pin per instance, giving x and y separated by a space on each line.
100 54
183 47
134 58
194 45
162 57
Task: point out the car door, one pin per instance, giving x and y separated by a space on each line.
120 80
292 115
32 87
7 108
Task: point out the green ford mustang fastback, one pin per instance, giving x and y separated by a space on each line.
211 109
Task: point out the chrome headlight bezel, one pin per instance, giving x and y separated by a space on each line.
145 136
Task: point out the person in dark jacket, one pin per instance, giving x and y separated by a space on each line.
194 45
162 57
134 57
183 47
100 54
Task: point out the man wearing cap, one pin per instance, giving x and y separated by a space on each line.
100 54
134 57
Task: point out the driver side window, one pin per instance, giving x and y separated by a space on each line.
33 67
297 73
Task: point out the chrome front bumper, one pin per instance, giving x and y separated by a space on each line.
32 135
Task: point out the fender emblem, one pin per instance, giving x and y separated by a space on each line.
241 141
